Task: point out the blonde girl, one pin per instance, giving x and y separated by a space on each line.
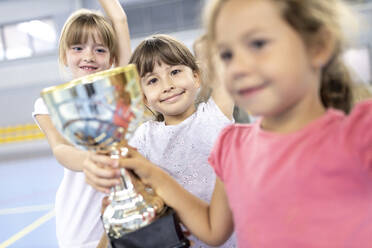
89 43
301 175
182 136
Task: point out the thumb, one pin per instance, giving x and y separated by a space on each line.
139 165
128 163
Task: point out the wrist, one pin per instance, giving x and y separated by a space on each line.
119 19
165 186
157 178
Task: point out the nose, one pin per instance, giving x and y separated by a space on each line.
168 85
89 55
241 65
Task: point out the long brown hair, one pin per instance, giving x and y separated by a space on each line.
161 49
308 18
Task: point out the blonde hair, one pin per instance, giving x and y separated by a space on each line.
83 24
309 18
161 49
361 92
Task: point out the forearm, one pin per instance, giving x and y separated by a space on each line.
113 10
201 220
117 15
223 100
70 156
65 153
219 92
212 224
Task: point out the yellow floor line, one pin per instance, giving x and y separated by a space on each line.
28 229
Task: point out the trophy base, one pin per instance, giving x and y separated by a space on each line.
165 232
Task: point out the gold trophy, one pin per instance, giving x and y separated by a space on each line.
101 112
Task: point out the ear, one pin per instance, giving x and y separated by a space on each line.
322 49
197 78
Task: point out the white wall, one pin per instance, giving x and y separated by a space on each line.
14 11
21 81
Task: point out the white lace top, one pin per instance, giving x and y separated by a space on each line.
182 150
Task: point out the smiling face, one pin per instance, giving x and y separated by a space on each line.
171 90
88 57
268 67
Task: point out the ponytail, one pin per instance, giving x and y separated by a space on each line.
336 86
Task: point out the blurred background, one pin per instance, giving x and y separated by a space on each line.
29 32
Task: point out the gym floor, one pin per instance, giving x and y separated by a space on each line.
28 185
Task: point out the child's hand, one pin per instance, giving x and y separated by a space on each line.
101 172
149 173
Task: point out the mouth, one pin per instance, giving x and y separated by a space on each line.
88 68
172 98
249 91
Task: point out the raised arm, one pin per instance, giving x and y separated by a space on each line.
212 223
214 79
119 20
220 95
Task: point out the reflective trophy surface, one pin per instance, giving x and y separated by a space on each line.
101 112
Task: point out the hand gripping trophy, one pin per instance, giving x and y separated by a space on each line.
100 112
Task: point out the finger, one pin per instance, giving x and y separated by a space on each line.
103 160
131 163
140 166
132 152
100 189
104 172
99 170
96 182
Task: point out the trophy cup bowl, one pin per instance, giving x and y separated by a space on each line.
101 112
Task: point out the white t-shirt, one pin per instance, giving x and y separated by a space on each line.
77 206
182 150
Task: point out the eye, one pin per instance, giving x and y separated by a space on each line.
152 81
226 56
101 50
175 72
77 48
258 44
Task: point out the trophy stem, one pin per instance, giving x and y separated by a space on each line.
126 181
133 205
